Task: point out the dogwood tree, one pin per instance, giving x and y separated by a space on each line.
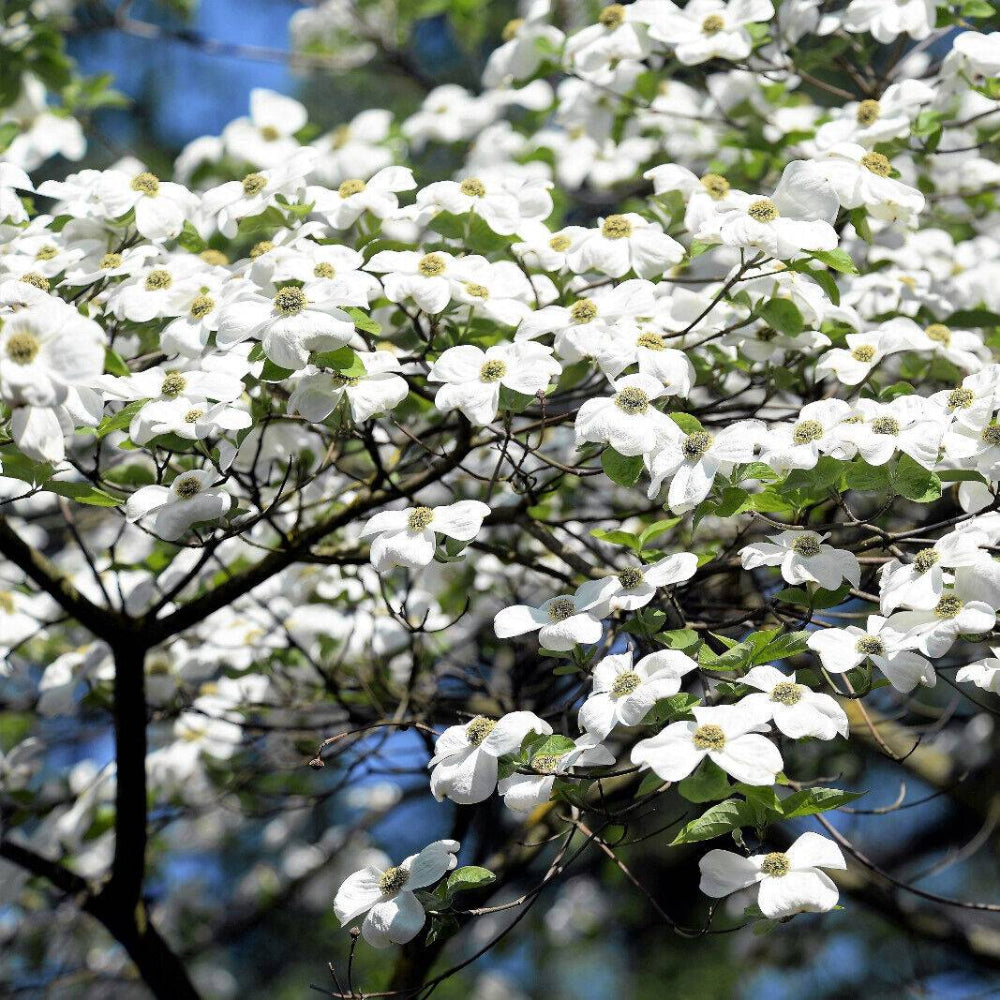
604 457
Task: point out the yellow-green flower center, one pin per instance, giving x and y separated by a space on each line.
651 341
511 28
632 400
36 280
709 737
939 333
174 383
716 185
877 163
560 609
991 435
147 184
46 252
352 186
863 353
695 445
431 265
193 416
419 518
110 261
158 280
560 243
583 311
625 683
613 16
763 210
712 24
925 559
616 227
23 347
806 431
258 249
324 270
870 645
631 577
949 606
393 879
786 693
868 112
961 398
493 370
478 729
202 306
473 187
776 865
187 487
290 300
806 545
253 184
214 257
885 425
477 291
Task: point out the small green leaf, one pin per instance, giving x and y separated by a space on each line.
467 878
715 821
708 783
621 469
784 316
837 259
810 801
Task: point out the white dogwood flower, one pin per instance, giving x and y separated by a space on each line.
705 29
796 217
408 537
464 766
190 499
789 881
627 420
317 393
623 692
804 558
473 378
634 587
562 622
623 243
393 914
729 735
796 710
888 647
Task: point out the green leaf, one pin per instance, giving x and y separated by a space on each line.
621 469
677 706
679 638
687 422
274 373
964 318
553 746
114 365
839 260
859 219
467 878
784 315
655 529
913 481
714 822
781 647
617 537
810 801
363 321
82 493
708 783
190 239
119 421
867 478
